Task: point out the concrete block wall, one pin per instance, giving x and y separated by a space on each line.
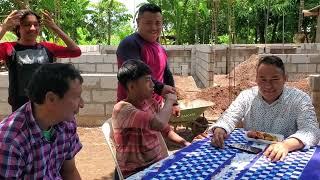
99 67
99 95
5 108
299 59
314 81
297 64
95 59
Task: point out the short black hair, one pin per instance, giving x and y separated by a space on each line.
149 7
54 77
25 13
132 70
272 60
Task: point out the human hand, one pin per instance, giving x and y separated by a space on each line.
219 135
48 20
176 110
171 97
12 20
277 151
168 89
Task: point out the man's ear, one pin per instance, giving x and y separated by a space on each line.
130 86
50 97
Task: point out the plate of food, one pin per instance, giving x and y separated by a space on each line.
263 137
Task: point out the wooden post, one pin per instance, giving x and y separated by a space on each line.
314 82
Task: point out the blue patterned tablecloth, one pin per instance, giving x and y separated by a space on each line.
200 160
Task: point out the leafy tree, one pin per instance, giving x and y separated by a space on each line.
109 18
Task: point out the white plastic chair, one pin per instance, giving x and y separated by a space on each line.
108 133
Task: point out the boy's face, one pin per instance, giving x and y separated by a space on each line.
142 87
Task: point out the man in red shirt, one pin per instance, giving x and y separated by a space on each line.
26 55
144 45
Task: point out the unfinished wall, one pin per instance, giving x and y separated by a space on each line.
314 81
99 66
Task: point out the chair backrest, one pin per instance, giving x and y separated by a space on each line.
108 133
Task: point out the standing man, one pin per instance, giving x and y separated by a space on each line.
25 55
39 140
144 45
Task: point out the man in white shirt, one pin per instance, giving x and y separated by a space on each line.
272 107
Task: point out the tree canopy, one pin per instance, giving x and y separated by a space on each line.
185 21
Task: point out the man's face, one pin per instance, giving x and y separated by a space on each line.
69 105
142 87
150 26
270 80
29 28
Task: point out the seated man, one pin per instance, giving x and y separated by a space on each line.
39 140
272 107
138 120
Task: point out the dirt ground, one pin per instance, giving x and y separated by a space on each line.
95 162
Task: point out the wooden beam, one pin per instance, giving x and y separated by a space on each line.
308 13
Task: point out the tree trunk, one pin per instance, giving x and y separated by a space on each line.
109 22
274 30
196 37
301 7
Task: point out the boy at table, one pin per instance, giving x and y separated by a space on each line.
271 107
138 120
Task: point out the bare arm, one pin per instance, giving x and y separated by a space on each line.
69 170
176 138
10 22
162 118
50 24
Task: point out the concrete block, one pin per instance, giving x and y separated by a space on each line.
87 68
90 81
79 60
291 67
203 56
218 70
221 64
104 68
299 58
110 58
86 96
315 59
4 95
5 109
104 96
4 79
64 60
94 58
109 109
224 58
92 109
83 48
109 82
178 59
115 68
309 68
93 48
314 82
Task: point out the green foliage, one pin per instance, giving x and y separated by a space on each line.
188 21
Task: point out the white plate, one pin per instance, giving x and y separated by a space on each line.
279 136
